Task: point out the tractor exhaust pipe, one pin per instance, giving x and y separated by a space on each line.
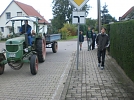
26 40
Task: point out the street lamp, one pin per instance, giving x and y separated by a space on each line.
99 16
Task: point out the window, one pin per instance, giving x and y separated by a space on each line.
8 15
2 29
19 13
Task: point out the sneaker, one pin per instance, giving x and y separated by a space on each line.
102 67
99 64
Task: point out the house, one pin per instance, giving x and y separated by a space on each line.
128 15
16 8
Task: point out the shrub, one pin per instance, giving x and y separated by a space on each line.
122 45
64 33
68 30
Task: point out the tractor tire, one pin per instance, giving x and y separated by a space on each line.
34 64
41 50
2 67
54 47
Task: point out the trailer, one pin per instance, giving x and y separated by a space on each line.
51 41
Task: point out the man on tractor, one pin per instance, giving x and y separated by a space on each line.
26 28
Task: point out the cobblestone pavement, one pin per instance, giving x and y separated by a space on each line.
47 84
89 82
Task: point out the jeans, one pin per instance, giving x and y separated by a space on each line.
101 54
30 40
93 44
89 43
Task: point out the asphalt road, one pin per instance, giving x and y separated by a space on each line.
49 81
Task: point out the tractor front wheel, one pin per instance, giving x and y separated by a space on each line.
34 64
2 67
54 47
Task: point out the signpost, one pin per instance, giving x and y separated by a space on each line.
78 17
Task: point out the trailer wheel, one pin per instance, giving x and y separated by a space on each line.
54 47
2 67
41 49
34 64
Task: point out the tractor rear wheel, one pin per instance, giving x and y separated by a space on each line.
54 47
41 49
34 64
2 67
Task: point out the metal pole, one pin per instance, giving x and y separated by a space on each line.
77 56
99 16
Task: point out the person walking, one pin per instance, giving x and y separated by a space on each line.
102 42
89 36
94 38
81 39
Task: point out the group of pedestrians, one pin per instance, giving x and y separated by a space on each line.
100 39
91 37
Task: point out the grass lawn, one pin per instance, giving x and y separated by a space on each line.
72 37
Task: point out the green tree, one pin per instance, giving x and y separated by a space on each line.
62 13
90 22
106 17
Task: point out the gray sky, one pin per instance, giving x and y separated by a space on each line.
116 7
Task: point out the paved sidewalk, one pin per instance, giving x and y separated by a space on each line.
91 83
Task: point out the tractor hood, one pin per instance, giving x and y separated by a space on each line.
16 40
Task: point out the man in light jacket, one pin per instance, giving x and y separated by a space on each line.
102 42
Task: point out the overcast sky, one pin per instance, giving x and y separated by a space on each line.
116 7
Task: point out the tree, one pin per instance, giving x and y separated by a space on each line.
90 22
106 18
62 13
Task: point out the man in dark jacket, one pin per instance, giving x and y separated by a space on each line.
81 39
94 38
26 28
102 42
89 36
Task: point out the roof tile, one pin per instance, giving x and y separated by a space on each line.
30 11
131 9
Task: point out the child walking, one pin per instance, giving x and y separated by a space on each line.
81 39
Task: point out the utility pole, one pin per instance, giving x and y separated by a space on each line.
99 16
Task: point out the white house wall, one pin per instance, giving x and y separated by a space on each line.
13 9
43 30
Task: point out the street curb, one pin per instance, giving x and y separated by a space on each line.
66 86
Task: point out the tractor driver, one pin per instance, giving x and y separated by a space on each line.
27 30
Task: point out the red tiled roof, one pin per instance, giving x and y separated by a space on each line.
131 9
30 11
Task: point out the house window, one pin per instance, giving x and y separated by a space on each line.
8 15
19 13
2 29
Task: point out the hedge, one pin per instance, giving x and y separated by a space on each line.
122 45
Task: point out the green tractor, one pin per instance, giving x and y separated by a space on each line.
18 51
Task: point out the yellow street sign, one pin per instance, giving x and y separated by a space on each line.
78 3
